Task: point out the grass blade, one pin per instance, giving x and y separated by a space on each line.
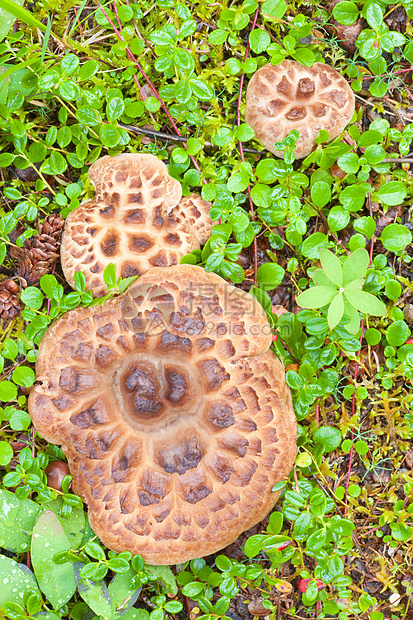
79 13
21 14
46 39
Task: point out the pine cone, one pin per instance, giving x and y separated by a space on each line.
41 252
9 303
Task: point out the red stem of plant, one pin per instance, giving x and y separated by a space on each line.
142 94
353 410
373 77
241 150
369 532
155 92
353 400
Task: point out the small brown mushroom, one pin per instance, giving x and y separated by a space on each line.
256 607
290 96
136 221
55 472
172 411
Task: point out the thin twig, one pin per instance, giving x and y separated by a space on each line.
170 136
397 160
372 104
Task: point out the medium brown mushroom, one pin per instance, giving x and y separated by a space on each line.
136 221
172 411
289 96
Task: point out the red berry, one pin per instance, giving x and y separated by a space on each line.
304 583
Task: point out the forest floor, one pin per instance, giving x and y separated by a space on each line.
83 80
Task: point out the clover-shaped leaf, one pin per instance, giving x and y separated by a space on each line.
339 286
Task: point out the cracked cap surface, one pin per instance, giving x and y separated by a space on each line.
137 220
172 411
290 96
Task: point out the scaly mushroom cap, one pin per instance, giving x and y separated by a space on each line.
290 96
136 220
172 411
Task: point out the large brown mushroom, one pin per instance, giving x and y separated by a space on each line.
136 221
172 411
289 96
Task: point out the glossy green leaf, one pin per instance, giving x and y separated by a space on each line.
73 524
332 267
396 237
328 437
17 519
355 266
57 581
269 276
316 297
109 135
335 311
14 579
320 194
392 193
24 376
273 8
365 225
338 218
374 15
6 453
121 594
8 392
201 89
345 12
313 244
365 302
165 577
397 333
349 162
95 594
259 40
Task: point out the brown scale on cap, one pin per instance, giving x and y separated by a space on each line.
290 96
137 220
172 411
